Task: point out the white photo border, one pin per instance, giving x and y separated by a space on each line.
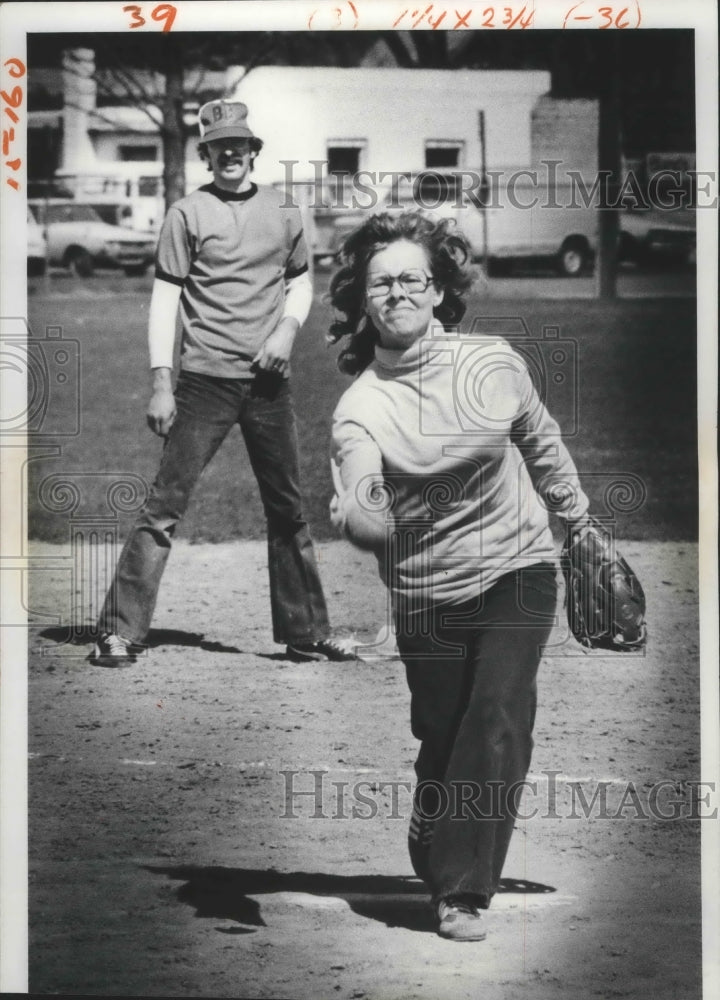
17 20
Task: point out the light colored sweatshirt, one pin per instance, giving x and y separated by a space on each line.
465 462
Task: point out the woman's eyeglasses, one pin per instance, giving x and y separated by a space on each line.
411 283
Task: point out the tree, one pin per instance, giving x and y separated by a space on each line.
168 74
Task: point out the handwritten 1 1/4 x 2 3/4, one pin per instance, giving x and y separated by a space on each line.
12 100
600 16
584 14
505 17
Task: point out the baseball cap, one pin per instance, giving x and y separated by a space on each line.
224 120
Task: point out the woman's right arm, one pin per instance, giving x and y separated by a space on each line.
360 506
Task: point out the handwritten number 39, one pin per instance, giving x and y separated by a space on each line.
165 12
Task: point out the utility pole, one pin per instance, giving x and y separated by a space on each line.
483 188
609 164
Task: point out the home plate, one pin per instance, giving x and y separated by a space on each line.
501 901
306 900
530 900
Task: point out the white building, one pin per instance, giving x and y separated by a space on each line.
328 128
389 119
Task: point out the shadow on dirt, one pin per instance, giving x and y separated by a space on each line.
87 635
396 901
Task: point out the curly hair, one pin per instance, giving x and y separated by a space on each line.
450 262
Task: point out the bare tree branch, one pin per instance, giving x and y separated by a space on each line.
198 84
132 84
257 60
143 99
94 113
202 70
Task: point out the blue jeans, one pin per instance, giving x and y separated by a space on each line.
473 698
207 408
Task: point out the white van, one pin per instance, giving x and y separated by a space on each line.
513 220
128 193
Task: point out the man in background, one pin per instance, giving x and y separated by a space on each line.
233 261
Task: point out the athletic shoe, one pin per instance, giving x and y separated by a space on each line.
323 650
460 919
112 651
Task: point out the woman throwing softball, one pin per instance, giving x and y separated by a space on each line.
445 463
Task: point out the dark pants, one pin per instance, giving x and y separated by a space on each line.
473 709
207 408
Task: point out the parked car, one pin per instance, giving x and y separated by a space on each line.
78 239
652 237
36 247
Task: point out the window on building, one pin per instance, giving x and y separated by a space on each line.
345 156
133 153
443 154
149 187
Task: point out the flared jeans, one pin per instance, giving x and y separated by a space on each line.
207 408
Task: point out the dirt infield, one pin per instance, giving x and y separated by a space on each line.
171 853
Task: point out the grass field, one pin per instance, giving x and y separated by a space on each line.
627 406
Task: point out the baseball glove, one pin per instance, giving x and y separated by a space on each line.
604 601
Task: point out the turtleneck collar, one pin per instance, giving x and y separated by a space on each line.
408 358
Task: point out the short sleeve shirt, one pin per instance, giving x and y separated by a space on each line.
231 254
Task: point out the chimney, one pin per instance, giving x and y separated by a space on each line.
79 92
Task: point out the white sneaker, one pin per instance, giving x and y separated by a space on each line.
460 920
338 650
112 651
